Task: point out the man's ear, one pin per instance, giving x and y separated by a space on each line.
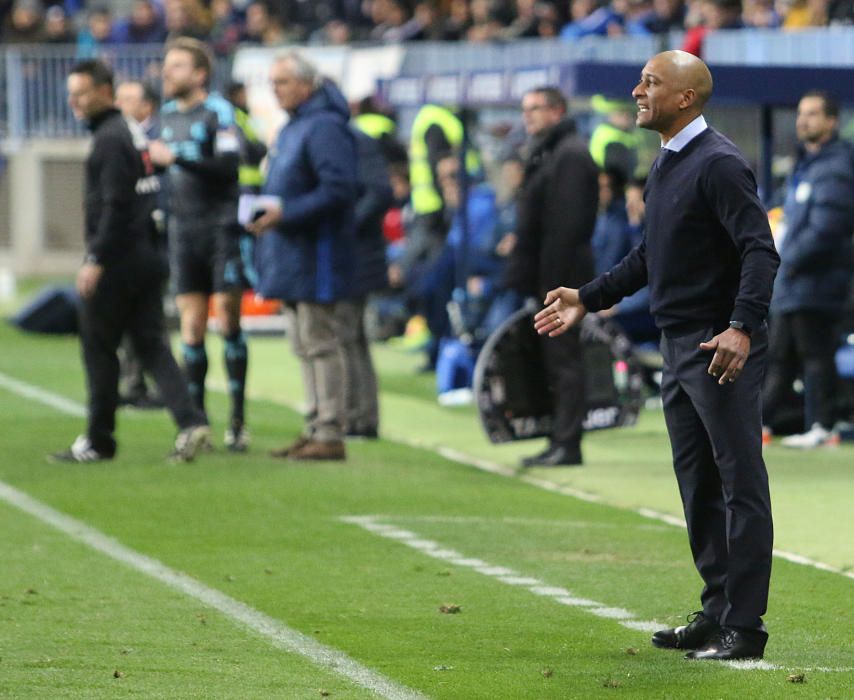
689 96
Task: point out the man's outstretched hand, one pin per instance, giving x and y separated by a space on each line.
563 309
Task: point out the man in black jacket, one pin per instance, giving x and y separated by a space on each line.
710 263
816 268
557 209
121 277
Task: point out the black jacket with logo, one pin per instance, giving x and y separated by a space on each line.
557 209
121 190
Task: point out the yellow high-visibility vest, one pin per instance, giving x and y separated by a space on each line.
247 175
375 125
425 196
606 134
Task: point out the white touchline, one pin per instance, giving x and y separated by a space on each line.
507 576
28 391
281 636
495 468
73 408
373 524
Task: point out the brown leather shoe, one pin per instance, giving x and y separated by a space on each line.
284 452
316 450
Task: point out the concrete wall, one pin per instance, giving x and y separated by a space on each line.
41 207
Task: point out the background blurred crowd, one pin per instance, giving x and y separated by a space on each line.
227 23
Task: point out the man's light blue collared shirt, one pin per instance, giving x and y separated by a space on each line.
688 133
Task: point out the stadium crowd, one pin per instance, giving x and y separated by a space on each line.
227 23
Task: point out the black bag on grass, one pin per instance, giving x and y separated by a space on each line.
54 310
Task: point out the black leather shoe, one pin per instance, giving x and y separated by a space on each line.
694 635
364 434
555 456
731 644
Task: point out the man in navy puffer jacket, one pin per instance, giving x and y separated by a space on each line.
812 285
306 248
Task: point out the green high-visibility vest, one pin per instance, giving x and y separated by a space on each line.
375 125
425 196
248 175
606 134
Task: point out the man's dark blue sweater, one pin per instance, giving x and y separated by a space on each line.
707 255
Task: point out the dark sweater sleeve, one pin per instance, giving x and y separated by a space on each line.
221 168
731 190
116 184
624 279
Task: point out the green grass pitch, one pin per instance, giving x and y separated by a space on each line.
275 536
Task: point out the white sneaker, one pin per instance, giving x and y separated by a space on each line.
236 438
814 437
456 397
189 442
81 451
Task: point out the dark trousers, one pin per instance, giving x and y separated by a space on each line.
716 437
128 300
564 363
803 343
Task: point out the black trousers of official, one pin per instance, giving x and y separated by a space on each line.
564 363
716 437
803 343
128 300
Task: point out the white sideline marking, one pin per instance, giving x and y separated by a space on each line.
74 408
48 398
495 468
624 617
279 634
286 638
506 576
510 520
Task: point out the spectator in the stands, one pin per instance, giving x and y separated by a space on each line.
263 27
57 27
428 18
227 28
458 21
25 24
618 230
761 13
186 18
548 20
713 15
333 33
587 20
637 16
799 14
144 26
486 24
666 16
524 24
97 33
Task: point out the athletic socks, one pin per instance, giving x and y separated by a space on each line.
235 366
196 368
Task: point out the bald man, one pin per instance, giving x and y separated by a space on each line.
709 260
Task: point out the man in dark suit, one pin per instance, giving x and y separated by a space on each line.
557 207
710 263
